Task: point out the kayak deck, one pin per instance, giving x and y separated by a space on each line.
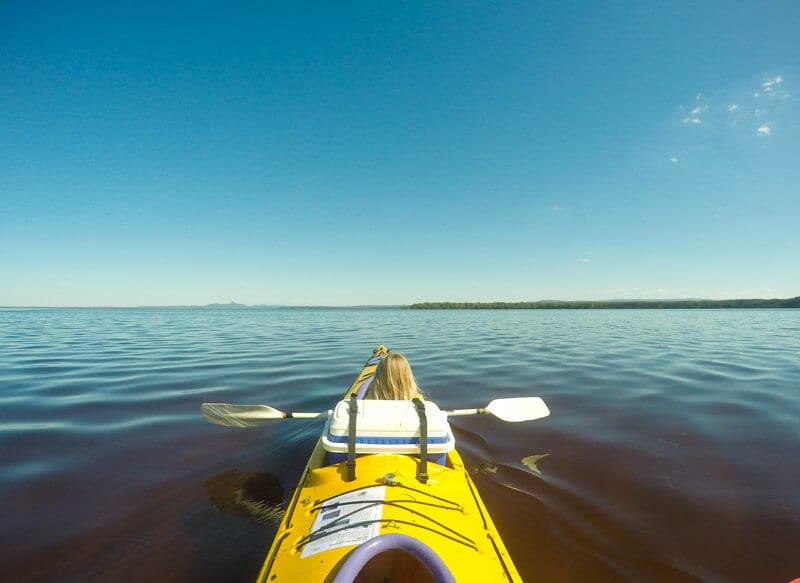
328 517
446 513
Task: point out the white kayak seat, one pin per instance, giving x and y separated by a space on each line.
387 427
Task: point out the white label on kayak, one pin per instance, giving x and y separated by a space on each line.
346 520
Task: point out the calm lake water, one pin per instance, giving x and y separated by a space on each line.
672 452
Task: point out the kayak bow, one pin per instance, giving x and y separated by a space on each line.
379 520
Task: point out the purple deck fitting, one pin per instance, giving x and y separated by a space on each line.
394 542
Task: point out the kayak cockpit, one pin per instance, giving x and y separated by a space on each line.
393 558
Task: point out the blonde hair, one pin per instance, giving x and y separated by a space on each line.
394 379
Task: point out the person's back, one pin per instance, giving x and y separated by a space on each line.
394 380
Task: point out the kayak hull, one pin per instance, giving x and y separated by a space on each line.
338 528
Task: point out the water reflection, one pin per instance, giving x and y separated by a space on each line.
255 495
532 461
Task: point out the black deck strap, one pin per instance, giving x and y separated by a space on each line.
423 440
351 439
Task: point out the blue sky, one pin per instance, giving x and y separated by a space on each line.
377 153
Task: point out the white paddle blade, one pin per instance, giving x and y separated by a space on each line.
517 409
239 415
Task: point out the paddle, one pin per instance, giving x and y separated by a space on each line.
247 415
513 410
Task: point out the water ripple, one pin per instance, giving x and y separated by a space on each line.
672 437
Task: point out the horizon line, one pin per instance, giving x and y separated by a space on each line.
237 305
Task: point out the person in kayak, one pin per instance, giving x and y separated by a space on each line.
394 380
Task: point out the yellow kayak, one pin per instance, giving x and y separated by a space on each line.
389 517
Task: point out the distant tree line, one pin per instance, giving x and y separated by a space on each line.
611 305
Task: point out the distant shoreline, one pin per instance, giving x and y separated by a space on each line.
539 305
611 305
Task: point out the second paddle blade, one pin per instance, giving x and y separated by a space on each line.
517 409
239 415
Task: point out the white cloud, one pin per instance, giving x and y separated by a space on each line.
772 84
773 89
674 160
583 260
754 109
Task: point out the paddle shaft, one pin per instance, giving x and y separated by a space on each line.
293 415
457 412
